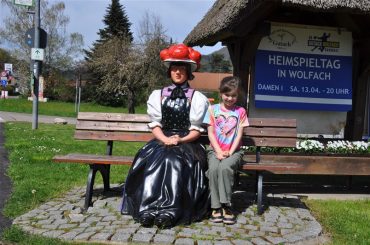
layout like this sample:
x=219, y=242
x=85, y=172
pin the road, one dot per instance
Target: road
x=24, y=117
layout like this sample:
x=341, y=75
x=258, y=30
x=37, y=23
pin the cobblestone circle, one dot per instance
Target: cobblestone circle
x=286, y=221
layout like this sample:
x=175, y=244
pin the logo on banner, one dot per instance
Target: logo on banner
x=322, y=43
x=282, y=38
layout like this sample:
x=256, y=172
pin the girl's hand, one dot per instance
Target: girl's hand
x=226, y=153
x=220, y=155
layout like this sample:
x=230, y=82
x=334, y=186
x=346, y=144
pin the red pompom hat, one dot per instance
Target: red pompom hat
x=181, y=53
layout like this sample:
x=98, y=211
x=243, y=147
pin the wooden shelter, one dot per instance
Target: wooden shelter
x=240, y=25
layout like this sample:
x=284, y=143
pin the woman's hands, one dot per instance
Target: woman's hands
x=175, y=139
x=172, y=140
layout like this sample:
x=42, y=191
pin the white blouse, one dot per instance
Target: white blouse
x=199, y=105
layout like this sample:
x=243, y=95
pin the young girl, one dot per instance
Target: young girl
x=225, y=129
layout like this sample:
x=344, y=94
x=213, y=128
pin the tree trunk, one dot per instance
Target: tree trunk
x=131, y=101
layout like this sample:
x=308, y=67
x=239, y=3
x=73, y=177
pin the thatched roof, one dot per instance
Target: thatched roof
x=225, y=15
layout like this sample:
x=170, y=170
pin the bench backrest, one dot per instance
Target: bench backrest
x=113, y=127
x=274, y=132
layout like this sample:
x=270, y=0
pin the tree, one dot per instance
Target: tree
x=219, y=64
x=114, y=61
x=61, y=50
x=127, y=69
x=152, y=37
x=5, y=57
x=117, y=25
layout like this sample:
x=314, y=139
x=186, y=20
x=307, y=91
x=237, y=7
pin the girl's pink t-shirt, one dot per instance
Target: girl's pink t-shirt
x=226, y=123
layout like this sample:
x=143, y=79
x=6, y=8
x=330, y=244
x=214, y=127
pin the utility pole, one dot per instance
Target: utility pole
x=78, y=92
x=36, y=68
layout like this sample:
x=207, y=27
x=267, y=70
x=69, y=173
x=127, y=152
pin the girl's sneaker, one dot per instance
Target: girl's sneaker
x=228, y=216
x=216, y=216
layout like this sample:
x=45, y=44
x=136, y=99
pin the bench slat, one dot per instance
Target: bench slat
x=271, y=132
x=114, y=117
x=288, y=168
x=272, y=122
x=312, y=165
x=123, y=117
x=115, y=136
x=145, y=137
x=266, y=141
x=112, y=126
x=94, y=159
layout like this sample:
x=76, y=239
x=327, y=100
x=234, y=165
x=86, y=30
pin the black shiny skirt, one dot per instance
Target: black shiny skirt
x=168, y=180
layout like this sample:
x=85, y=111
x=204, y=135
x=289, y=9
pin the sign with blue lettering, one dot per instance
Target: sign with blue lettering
x=304, y=67
x=3, y=83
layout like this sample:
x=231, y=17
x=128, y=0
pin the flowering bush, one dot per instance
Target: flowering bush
x=338, y=146
x=310, y=146
x=342, y=146
x=314, y=146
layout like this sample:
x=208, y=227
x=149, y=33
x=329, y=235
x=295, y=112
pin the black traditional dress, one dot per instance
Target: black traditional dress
x=170, y=180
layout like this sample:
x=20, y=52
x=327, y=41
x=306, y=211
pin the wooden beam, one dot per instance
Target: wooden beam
x=356, y=118
x=345, y=20
x=242, y=52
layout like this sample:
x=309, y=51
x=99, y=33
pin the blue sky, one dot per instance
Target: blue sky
x=178, y=17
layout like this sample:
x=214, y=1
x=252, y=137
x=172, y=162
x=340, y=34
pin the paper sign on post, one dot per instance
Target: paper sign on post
x=37, y=54
x=24, y=2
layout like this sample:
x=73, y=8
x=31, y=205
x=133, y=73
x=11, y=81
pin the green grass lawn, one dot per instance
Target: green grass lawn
x=348, y=222
x=31, y=167
x=36, y=179
x=62, y=109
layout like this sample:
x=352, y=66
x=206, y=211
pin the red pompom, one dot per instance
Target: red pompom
x=195, y=55
x=164, y=54
x=179, y=51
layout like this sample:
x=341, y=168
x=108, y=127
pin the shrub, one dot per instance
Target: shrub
x=315, y=146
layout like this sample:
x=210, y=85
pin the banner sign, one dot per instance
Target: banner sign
x=4, y=82
x=8, y=67
x=28, y=3
x=304, y=67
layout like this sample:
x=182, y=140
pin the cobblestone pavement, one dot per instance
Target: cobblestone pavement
x=286, y=221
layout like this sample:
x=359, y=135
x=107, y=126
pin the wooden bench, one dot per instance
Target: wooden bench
x=107, y=127
x=110, y=127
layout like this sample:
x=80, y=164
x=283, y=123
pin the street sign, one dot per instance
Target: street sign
x=4, y=81
x=8, y=67
x=30, y=37
x=37, y=54
x=24, y=2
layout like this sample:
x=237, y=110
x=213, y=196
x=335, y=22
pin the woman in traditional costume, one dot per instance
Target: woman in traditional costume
x=166, y=184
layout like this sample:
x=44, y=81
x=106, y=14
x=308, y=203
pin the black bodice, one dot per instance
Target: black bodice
x=175, y=112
